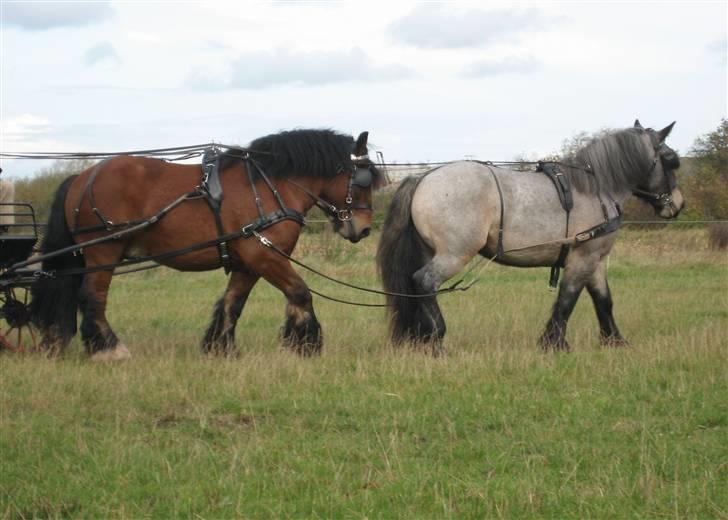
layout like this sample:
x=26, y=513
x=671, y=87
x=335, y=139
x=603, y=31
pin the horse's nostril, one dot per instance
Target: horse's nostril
x=365, y=232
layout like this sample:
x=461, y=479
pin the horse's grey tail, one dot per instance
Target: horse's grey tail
x=55, y=300
x=401, y=252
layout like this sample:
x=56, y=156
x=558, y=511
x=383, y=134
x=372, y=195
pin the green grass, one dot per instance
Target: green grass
x=493, y=429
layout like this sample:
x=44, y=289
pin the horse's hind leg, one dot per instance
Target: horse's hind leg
x=101, y=342
x=428, y=324
x=220, y=335
x=601, y=296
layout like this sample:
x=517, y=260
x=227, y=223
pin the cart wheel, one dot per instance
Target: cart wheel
x=16, y=333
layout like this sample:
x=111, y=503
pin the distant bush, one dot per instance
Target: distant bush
x=40, y=189
x=705, y=188
x=718, y=235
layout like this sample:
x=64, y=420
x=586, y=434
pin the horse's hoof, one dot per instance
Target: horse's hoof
x=118, y=353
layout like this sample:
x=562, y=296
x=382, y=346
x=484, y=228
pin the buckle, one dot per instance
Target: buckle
x=247, y=230
x=584, y=236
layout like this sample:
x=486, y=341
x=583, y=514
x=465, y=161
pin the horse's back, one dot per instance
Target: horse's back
x=127, y=187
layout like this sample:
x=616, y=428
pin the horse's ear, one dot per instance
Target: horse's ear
x=637, y=124
x=361, y=144
x=662, y=134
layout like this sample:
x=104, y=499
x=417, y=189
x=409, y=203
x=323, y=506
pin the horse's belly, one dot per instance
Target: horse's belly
x=200, y=260
x=544, y=257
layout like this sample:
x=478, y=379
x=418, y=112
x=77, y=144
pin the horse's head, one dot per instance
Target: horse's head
x=351, y=194
x=659, y=187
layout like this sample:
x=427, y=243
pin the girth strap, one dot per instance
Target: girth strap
x=556, y=268
x=211, y=189
x=563, y=190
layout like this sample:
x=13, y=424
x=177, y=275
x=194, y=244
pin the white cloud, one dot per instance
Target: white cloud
x=231, y=72
x=509, y=65
x=719, y=51
x=28, y=133
x=440, y=26
x=290, y=67
x=39, y=16
x=23, y=127
x=100, y=52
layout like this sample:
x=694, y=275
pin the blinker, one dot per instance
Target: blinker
x=670, y=159
x=362, y=177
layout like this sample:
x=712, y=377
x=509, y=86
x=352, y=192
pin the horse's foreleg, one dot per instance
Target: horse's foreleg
x=598, y=289
x=554, y=335
x=220, y=335
x=301, y=331
x=100, y=340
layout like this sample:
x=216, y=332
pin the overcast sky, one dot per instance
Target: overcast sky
x=429, y=81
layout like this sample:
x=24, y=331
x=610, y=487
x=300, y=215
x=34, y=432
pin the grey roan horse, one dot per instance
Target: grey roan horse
x=439, y=221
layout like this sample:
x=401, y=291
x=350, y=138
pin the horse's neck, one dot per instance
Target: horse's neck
x=301, y=193
x=620, y=197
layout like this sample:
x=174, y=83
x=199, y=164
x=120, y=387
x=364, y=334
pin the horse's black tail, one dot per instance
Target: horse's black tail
x=401, y=252
x=54, y=302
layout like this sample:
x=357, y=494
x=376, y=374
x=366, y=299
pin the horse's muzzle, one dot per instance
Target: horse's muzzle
x=671, y=207
x=356, y=238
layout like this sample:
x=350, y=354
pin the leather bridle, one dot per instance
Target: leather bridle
x=360, y=176
x=669, y=161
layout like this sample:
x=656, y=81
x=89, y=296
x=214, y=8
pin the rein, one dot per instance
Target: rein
x=267, y=243
x=190, y=151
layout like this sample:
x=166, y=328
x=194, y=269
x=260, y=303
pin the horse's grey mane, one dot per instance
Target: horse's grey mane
x=617, y=161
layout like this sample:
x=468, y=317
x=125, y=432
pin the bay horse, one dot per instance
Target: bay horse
x=438, y=222
x=263, y=191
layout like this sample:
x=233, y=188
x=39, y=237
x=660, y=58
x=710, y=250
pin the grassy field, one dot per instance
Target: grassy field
x=494, y=429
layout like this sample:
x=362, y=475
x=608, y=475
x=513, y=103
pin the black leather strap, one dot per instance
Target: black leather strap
x=266, y=221
x=211, y=189
x=556, y=268
x=211, y=176
x=609, y=226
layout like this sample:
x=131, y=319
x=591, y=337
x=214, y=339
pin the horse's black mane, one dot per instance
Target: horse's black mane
x=306, y=152
x=616, y=160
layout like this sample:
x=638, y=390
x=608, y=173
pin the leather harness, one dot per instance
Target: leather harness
x=563, y=190
x=211, y=190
